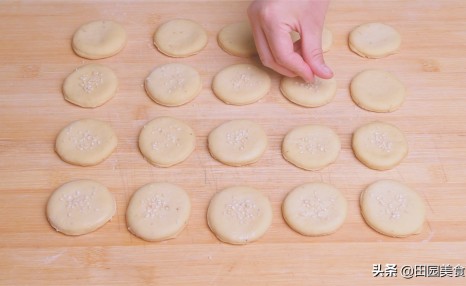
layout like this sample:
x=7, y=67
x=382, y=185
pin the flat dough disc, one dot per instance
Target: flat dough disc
x=239, y=215
x=241, y=84
x=237, y=40
x=90, y=86
x=237, y=142
x=327, y=38
x=180, y=38
x=173, y=84
x=315, y=209
x=392, y=208
x=379, y=145
x=166, y=141
x=99, y=39
x=158, y=211
x=86, y=142
x=79, y=207
x=374, y=40
x=307, y=94
x=311, y=147
x=377, y=90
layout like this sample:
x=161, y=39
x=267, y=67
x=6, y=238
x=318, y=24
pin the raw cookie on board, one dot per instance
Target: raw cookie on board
x=392, y=208
x=311, y=147
x=79, y=207
x=379, y=145
x=86, y=142
x=307, y=94
x=158, y=211
x=99, y=39
x=315, y=209
x=173, y=84
x=239, y=215
x=90, y=85
x=241, y=84
x=180, y=38
x=237, y=142
x=166, y=141
x=374, y=40
x=377, y=91
x=237, y=40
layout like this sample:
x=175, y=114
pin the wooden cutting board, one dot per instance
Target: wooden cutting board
x=35, y=57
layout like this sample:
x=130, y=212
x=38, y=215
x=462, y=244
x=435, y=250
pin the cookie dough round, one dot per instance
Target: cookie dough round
x=392, y=208
x=99, y=39
x=86, y=142
x=379, y=145
x=180, y=38
x=158, y=211
x=237, y=40
x=166, y=141
x=173, y=84
x=241, y=84
x=374, y=40
x=327, y=38
x=79, y=207
x=315, y=209
x=237, y=142
x=90, y=86
x=377, y=91
x=311, y=147
x=307, y=94
x=239, y=215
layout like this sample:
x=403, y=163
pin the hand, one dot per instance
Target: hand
x=273, y=20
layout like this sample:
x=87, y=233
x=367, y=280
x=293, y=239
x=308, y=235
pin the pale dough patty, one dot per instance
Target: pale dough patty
x=377, y=91
x=86, y=142
x=307, y=94
x=237, y=142
x=158, y=211
x=99, y=39
x=315, y=209
x=241, y=84
x=90, y=85
x=379, y=145
x=166, y=141
x=237, y=40
x=311, y=147
x=173, y=84
x=79, y=207
x=374, y=40
x=392, y=208
x=239, y=215
x=180, y=38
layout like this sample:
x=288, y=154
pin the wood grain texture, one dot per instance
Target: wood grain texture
x=36, y=56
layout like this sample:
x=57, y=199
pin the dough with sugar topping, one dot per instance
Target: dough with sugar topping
x=241, y=84
x=166, y=141
x=374, y=40
x=158, y=211
x=237, y=142
x=307, y=94
x=379, y=145
x=180, y=38
x=315, y=209
x=79, y=207
x=99, y=39
x=237, y=40
x=90, y=85
x=239, y=215
x=311, y=147
x=377, y=91
x=86, y=142
x=173, y=84
x=392, y=208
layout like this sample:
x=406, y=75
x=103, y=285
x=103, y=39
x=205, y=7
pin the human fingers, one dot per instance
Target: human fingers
x=311, y=49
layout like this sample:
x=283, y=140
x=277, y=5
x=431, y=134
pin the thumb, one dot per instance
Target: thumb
x=313, y=54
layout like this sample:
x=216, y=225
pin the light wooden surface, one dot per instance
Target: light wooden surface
x=35, y=57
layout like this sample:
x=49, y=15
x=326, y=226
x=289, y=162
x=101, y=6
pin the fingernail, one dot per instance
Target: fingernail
x=327, y=70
